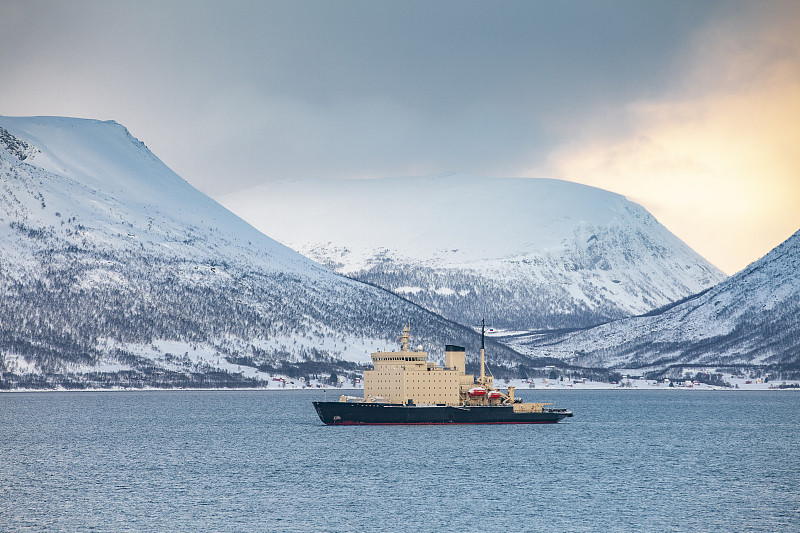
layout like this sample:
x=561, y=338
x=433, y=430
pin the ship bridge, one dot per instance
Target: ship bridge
x=408, y=377
x=387, y=357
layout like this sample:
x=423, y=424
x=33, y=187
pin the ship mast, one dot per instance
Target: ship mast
x=404, y=338
x=483, y=347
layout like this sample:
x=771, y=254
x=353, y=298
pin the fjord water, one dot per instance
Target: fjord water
x=262, y=461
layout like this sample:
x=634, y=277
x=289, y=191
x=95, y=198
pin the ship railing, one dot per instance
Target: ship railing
x=351, y=399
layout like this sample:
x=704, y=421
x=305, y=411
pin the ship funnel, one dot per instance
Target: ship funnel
x=455, y=358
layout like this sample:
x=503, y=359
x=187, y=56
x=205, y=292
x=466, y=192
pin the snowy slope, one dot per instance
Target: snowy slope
x=752, y=317
x=98, y=173
x=528, y=253
x=110, y=263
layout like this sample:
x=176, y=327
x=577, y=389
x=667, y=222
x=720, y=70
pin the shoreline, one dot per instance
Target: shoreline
x=339, y=391
x=544, y=385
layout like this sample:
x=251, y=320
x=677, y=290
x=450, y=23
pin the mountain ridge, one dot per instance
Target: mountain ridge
x=115, y=269
x=751, y=318
x=532, y=253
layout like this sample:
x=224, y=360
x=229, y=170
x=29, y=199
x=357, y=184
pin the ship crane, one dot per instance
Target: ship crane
x=487, y=383
x=483, y=380
x=485, y=390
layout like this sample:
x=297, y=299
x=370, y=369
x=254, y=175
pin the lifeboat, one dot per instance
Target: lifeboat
x=477, y=391
x=494, y=395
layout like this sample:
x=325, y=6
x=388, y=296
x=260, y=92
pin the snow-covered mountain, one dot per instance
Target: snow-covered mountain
x=527, y=253
x=113, y=267
x=751, y=318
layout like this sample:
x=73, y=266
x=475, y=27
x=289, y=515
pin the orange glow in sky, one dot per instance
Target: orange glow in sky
x=719, y=163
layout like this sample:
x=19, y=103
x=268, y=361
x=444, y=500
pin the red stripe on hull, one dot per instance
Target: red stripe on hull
x=433, y=423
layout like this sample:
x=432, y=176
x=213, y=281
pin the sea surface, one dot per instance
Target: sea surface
x=262, y=461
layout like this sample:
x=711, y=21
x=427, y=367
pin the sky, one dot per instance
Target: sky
x=690, y=108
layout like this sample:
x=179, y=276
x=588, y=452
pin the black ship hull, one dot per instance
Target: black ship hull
x=364, y=413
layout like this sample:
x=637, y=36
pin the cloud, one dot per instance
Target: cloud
x=671, y=103
x=717, y=159
x=335, y=89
